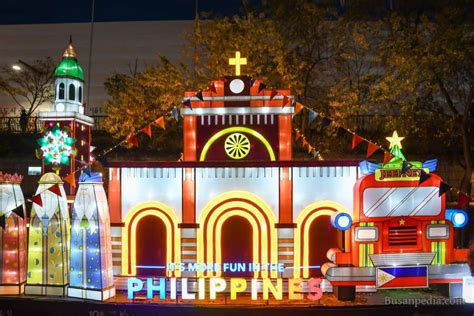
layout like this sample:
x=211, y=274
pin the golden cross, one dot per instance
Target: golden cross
x=237, y=61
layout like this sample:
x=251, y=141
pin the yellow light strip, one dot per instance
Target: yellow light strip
x=325, y=208
x=154, y=209
x=212, y=216
x=235, y=129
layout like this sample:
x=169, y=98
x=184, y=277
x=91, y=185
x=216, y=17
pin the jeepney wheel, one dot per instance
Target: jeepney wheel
x=345, y=293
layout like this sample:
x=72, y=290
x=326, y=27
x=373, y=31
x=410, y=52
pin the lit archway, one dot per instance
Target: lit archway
x=237, y=129
x=129, y=241
x=255, y=211
x=303, y=223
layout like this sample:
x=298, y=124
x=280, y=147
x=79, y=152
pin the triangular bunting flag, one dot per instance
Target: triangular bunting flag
x=310, y=148
x=71, y=178
x=423, y=176
x=174, y=113
x=340, y=132
x=132, y=139
x=160, y=122
x=406, y=166
x=443, y=188
x=325, y=123
x=387, y=156
x=37, y=200
x=356, y=140
x=273, y=94
x=55, y=189
x=261, y=87
x=212, y=87
x=463, y=199
x=311, y=116
x=2, y=222
x=371, y=149
x=304, y=142
x=285, y=100
x=297, y=134
x=298, y=107
x=187, y=103
x=147, y=130
x=199, y=95
x=315, y=153
x=19, y=211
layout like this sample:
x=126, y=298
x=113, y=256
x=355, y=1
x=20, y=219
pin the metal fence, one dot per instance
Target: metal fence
x=12, y=124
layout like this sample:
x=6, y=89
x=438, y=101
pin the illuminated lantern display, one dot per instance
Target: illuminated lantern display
x=12, y=235
x=56, y=147
x=67, y=121
x=403, y=235
x=91, y=274
x=48, y=243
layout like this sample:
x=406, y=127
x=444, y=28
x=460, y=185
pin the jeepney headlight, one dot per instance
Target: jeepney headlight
x=457, y=217
x=366, y=234
x=341, y=220
x=437, y=231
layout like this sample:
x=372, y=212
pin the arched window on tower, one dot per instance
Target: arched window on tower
x=72, y=92
x=79, y=97
x=61, y=91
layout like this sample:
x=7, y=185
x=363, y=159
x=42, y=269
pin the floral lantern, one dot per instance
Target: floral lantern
x=12, y=235
x=91, y=272
x=48, y=243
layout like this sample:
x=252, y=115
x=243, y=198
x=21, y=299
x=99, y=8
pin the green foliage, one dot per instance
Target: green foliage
x=137, y=100
x=410, y=72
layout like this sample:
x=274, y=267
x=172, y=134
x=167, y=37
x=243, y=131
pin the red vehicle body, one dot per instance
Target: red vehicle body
x=396, y=222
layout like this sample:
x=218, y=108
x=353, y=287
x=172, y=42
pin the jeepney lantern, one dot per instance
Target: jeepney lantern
x=12, y=235
x=48, y=243
x=91, y=272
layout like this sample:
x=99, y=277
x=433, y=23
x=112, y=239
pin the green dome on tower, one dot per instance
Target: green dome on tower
x=69, y=67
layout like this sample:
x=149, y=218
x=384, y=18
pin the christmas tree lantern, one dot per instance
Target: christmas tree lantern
x=12, y=235
x=48, y=243
x=91, y=272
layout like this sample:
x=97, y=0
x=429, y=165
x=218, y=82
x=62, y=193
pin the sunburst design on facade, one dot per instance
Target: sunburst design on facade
x=237, y=146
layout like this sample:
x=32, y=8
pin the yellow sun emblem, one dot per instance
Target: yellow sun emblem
x=237, y=146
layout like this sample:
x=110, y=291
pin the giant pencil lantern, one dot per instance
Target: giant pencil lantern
x=48, y=243
x=12, y=235
x=91, y=274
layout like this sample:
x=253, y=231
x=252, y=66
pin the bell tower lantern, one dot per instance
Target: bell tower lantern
x=68, y=112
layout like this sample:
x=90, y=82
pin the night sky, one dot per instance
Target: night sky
x=55, y=11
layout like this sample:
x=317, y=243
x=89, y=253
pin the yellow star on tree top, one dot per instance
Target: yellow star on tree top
x=395, y=140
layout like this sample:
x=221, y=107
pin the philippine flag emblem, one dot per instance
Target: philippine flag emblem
x=402, y=277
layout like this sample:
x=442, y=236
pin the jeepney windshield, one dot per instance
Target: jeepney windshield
x=401, y=201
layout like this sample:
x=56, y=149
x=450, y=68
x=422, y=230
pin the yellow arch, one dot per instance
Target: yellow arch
x=155, y=209
x=213, y=220
x=325, y=208
x=236, y=129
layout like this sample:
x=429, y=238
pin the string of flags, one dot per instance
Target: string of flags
x=357, y=140
x=131, y=139
x=372, y=148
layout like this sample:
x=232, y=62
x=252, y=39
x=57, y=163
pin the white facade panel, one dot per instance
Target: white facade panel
x=151, y=184
x=314, y=184
x=211, y=182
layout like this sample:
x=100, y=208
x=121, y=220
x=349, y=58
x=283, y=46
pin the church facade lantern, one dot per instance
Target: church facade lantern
x=48, y=242
x=13, y=235
x=236, y=197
